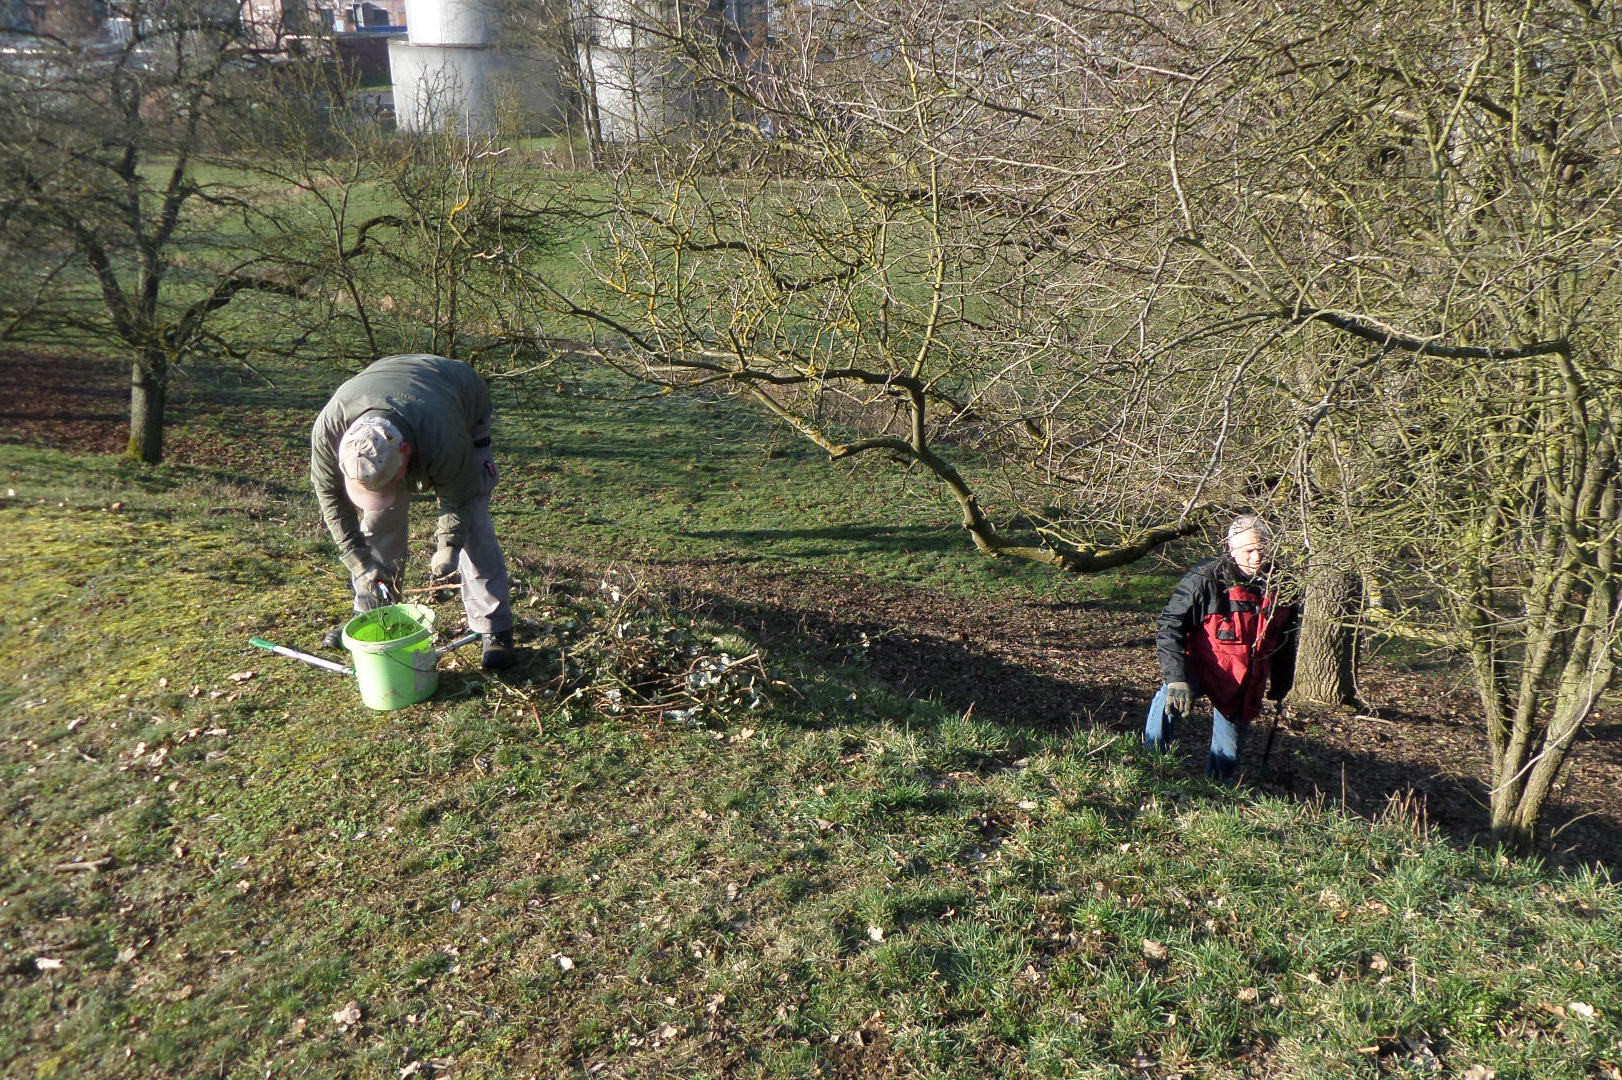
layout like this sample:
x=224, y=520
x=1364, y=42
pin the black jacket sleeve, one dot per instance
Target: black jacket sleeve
x=1282, y=676
x=1181, y=616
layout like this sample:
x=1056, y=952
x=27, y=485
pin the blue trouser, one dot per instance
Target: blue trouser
x=1226, y=736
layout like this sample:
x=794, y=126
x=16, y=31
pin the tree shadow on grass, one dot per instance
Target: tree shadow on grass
x=65, y=402
x=840, y=539
x=1375, y=778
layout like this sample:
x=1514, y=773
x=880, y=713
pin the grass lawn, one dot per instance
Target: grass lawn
x=215, y=862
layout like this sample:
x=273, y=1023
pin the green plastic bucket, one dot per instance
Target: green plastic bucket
x=395, y=662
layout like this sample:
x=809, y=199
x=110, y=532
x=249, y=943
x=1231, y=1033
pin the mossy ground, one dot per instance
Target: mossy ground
x=200, y=870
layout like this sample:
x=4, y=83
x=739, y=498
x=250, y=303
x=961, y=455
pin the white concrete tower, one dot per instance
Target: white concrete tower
x=641, y=89
x=453, y=72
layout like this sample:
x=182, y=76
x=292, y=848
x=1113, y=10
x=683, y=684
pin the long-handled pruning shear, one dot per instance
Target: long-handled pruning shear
x=384, y=594
x=1272, y=732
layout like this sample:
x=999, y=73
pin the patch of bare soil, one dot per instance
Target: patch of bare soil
x=1418, y=750
x=65, y=402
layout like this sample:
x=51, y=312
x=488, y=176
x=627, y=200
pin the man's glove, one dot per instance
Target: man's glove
x=443, y=564
x=369, y=574
x=1179, y=698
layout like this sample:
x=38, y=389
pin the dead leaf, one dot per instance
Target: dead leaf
x=411, y=1070
x=348, y=1015
x=126, y=954
x=1155, y=951
x=669, y=1031
x=1424, y=1054
x=1581, y=1008
x=1248, y=995
x=47, y=963
x=1377, y=962
x=242, y=676
x=1479, y=1072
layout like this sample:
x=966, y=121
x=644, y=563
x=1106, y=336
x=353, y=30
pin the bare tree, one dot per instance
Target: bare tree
x=939, y=266
x=1111, y=266
x=1429, y=195
x=114, y=233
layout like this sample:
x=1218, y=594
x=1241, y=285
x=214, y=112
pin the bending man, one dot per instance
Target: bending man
x=414, y=423
x=1225, y=634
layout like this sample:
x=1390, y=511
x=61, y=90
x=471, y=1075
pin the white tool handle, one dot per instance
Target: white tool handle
x=294, y=654
x=465, y=639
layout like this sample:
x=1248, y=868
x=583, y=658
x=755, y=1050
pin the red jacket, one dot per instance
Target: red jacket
x=1229, y=634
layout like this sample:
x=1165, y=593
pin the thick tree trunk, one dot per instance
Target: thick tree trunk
x=149, y=394
x=1330, y=644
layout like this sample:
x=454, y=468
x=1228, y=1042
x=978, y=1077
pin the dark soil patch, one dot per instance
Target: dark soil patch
x=1418, y=752
x=65, y=401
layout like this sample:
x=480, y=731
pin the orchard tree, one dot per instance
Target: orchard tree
x=113, y=232
x=399, y=243
x=1431, y=194
x=931, y=259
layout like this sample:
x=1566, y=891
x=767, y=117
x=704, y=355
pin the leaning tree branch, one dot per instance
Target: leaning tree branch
x=1391, y=339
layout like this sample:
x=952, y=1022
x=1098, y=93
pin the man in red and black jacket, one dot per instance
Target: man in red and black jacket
x=1225, y=634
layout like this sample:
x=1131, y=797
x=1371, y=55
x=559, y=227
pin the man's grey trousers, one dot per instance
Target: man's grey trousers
x=486, y=588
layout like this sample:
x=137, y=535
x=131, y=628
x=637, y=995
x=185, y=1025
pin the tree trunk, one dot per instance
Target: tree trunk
x=149, y=393
x=1330, y=642
x=1524, y=775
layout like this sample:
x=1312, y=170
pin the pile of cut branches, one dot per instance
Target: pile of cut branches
x=624, y=650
